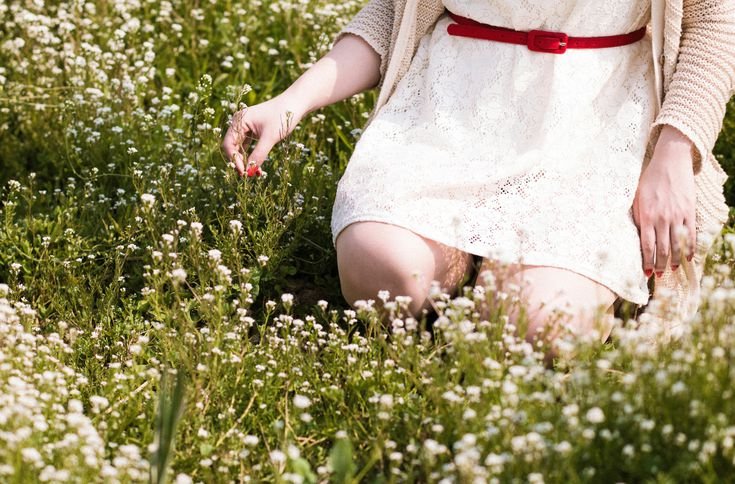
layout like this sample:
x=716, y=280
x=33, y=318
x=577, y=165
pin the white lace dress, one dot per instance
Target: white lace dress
x=513, y=154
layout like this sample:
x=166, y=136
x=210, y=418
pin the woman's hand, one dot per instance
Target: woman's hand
x=350, y=67
x=664, y=204
x=269, y=122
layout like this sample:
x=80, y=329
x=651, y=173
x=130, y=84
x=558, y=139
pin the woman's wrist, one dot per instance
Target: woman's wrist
x=675, y=140
x=296, y=101
x=674, y=146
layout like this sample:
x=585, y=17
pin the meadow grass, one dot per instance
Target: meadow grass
x=161, y=318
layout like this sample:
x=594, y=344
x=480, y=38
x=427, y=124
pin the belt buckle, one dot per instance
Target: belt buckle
x=546, y=41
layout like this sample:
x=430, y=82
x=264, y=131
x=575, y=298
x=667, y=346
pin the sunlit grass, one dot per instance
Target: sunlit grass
x=128, y=247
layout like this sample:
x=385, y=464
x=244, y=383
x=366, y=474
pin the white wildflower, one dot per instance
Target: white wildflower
x=31, y=455
x=595, y=415
x=236, y=226
x=196, y=229
x=183, y=479
x=277, y=457
x=178, y=275
x=250, y=440
x=301, y=401
x=148, y=200
x=98, y=403
x=535, y=478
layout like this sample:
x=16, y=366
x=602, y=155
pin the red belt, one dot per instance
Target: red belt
x=538, y=40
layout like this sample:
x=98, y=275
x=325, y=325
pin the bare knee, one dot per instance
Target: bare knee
x=363, y=277
x=577, y=320
x=560, y=303
x=371, y=258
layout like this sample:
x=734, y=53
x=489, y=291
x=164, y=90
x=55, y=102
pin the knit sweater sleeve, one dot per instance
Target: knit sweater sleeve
x=704, y=77
x=374, y=24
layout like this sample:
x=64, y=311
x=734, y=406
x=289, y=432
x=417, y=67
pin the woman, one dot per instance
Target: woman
x=448, y=168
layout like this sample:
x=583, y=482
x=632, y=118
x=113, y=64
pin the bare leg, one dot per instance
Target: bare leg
x=546, y=289
x=374, y=256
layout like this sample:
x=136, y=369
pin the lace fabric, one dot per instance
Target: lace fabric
x=513, y=154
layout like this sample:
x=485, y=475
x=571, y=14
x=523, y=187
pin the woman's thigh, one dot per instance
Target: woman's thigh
x=373, y=256
x=545, y=290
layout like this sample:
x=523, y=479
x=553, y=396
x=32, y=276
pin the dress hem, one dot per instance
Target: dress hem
x=531, y=258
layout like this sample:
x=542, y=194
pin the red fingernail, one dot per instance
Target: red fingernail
x=690, y=257
x=674, y=267
x=648, y=272
x=659, y=273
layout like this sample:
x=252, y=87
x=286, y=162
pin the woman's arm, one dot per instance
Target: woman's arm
x=664, y=206
x=704, y=78
x=374, y=24
x=350, y=67
x=356, y=62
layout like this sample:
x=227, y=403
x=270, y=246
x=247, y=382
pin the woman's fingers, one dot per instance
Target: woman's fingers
x=236, y=139
x=690, y=224
x=658, y=242
x=648, y=247
x=684, y=235
x=663, y=247
x=677, y=234
x=262, y=148
x=231, y=147
x=239, y=163
x=635, y=210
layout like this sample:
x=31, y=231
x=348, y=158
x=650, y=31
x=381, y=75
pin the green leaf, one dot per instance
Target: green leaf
x=302, y=467
x=340, y=459
x=205, y=448
x=341, y=135
x=170, y=408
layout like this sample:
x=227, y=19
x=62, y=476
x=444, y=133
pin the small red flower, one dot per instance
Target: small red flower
x=254, y=170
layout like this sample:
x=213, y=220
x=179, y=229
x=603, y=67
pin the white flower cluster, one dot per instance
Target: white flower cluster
x=42, y=418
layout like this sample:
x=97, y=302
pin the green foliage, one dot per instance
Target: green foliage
x=170, y=408
x=129, y=247
x=725, y=151
x=340, y=459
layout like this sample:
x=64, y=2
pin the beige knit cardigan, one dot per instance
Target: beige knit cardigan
x=693, y=45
